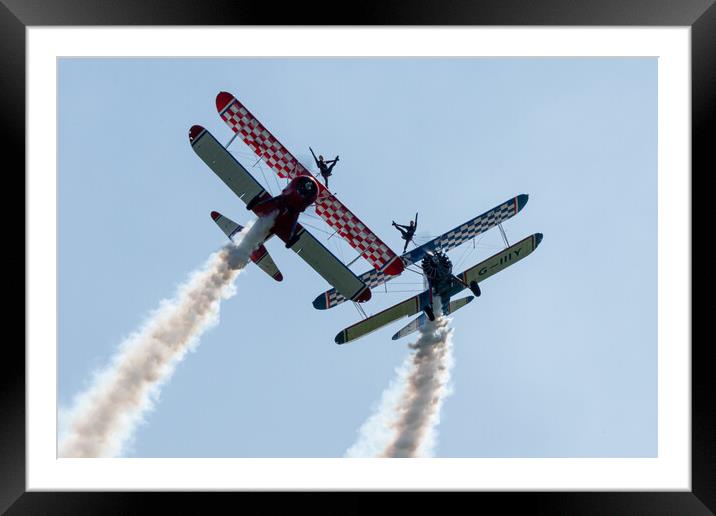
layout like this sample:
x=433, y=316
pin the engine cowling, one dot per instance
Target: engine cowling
x=475, y=288
x=300, y=193
x=436, y=265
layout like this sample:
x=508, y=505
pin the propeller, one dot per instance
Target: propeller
x=436, y=264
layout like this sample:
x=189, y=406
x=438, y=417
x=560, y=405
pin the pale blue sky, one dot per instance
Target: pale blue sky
x=558, y=358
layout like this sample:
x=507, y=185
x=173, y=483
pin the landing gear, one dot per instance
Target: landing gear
x=429, y=312
x=292, y=240
x=294, y=234
x=253, y=202
x=475, y=288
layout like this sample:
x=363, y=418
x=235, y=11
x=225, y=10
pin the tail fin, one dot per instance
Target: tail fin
x=260, y=256
x=418, y=323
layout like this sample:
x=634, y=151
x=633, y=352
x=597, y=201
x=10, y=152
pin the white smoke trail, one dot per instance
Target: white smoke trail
x=405, y=422
x=104, y=417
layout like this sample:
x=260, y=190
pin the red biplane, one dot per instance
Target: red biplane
x=302, y=191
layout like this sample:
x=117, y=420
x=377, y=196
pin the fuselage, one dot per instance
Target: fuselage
x=437, y=267
x=293, y=200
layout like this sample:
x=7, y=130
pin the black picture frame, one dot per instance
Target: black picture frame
x=700, y=15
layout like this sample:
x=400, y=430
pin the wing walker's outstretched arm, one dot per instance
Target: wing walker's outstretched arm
x=314, y=157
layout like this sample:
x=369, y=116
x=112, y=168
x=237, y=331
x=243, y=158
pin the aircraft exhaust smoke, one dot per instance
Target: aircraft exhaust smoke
x=104, y=417
x=405, y=422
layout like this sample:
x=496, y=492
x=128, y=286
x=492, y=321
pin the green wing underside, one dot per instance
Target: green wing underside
x=408, y=307
x=224, y=165
x=501, y=260
x=315, y=254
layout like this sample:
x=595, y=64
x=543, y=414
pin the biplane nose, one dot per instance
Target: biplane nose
x=223, y=99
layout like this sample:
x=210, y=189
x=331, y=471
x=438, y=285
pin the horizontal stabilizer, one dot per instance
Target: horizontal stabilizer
x=411, y=327
x=408, y=307
x=456, y=304
x=260, y=256
x=228, y=226
x=418, y=323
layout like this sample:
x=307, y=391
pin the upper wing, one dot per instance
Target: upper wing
x=406, y=308
x=329, y=267
x=256, y=136
x=447, y=241
x=357, y=234
x=285, y=164
x=501, y=260
x=224, y=165
x=469, y=229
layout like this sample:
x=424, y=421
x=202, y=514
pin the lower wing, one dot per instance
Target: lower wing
x=224, y=165
x=334, y=271
x=407, y=308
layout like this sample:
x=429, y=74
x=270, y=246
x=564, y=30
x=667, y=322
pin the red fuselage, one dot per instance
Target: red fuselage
x=293, y=200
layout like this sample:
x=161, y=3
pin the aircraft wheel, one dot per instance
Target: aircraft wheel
x=475, y=288
x=429, y=312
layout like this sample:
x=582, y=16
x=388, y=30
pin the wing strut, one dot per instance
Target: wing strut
x=504, y=235
x=231, y=141
x=360, y=310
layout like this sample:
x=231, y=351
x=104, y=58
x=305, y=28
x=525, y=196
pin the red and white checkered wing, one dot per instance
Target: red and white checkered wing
x=357, y=234
x=256, y=136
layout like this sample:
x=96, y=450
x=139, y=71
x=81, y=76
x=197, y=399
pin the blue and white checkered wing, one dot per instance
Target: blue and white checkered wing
x=469, y=230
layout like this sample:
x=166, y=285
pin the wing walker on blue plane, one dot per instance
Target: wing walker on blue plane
x=304, y=190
